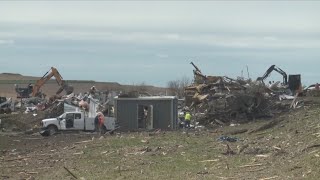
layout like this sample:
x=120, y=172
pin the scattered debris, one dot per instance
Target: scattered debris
x=6, y=105
x=79, y=153
x=229, y=151
x=242, y=148
x=228, y=139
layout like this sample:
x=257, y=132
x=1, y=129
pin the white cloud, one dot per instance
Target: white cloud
x=270, y=38
x=226, y=24
x=161, y=55
x=258, y=41
x=6, y=42
x=181, y=16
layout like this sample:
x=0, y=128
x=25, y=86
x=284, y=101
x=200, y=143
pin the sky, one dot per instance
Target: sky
x=153, y=42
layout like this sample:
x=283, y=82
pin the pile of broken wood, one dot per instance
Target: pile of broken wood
x=222, y=100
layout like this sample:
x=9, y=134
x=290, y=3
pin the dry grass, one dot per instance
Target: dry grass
x=285, y=151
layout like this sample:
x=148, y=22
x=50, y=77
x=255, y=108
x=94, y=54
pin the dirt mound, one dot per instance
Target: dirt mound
x=21, y=122
x=10, y=74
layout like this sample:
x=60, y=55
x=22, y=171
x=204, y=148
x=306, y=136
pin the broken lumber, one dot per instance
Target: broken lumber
x=15, y=159
x=78, y=153
x=219, y=122
x=263, y=155
x=70, y=172
x=293, y=104
x=226, y=177
x=255, y=170
x=277, y=148
x=83, y=142
x=274, y=177
x=250, y=165
x=213, y=160
x=312, y=146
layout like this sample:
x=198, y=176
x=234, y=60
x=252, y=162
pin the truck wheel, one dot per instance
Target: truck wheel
x=52, y=130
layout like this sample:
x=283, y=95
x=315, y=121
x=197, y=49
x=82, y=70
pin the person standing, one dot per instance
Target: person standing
x=187, y=119
x=181, y=119
x=96, y=123
x=102, y=128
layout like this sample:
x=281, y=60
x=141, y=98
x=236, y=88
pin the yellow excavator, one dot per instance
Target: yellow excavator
x=35, y=89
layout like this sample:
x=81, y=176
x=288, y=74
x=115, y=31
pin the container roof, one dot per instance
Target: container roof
x=147, y=98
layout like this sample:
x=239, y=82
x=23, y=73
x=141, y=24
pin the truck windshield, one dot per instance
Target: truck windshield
x=62, y=116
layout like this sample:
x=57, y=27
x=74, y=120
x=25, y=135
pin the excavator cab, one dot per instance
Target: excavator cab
x=23, y=92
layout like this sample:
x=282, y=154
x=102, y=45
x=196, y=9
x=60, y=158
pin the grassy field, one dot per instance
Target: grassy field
x=290, y=149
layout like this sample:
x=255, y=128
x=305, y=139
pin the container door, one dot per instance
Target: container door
x=141, y=116
x=150, y=117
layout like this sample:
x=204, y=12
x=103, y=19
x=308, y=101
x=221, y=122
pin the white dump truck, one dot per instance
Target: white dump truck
x=72, y=121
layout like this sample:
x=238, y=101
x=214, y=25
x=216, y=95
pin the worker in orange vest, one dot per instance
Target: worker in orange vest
x=101, y=125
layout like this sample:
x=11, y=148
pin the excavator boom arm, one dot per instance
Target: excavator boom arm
x=277, y=69
x=284, y=74
x=195, y=67
x=46, y=77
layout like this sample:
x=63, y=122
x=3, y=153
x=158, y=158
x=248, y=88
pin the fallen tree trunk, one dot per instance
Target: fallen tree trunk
x=265, y=126
x=237, y=131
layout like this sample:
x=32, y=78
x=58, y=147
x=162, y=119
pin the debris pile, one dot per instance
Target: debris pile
x=28, y=112
x=91, y=102
x=221, y=100
x=55, y=110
